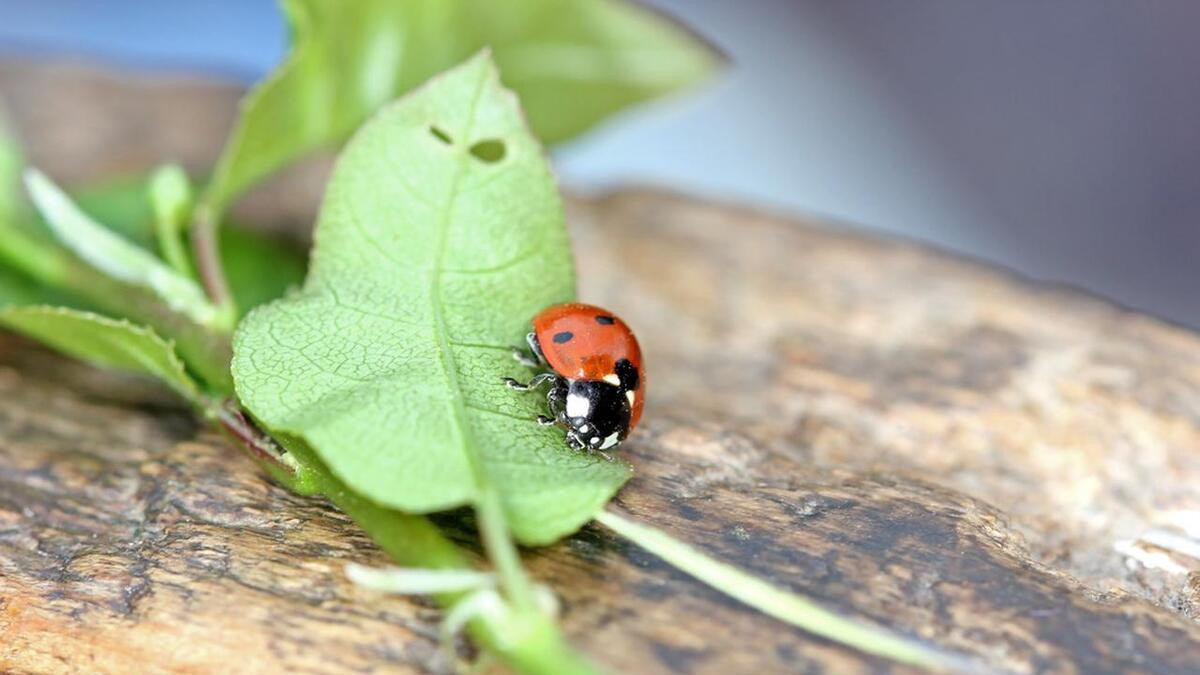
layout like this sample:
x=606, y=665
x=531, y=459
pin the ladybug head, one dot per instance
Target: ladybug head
x=597, y=414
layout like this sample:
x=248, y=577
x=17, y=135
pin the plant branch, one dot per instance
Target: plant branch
x=206, y=248
x=255, y=441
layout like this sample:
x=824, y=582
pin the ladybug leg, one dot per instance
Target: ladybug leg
x=538, y=358
x=557, y=403
x=525, y=359
x=537, y=381
x=536, y=348
x=556, y=400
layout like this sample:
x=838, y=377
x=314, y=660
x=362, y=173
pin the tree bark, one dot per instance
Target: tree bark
x=1005, y=469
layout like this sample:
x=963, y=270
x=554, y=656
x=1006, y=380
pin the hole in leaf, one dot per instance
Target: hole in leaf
x=490, y=150
x=440, y=135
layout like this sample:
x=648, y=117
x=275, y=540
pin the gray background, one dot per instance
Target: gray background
x=1059, y=138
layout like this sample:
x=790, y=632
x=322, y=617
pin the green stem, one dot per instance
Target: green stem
x=776, y=602
x=171, y=245
x=171, y=199
x=502, y=552
x=206, y=248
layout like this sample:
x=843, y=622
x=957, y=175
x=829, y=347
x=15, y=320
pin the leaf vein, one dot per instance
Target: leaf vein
x=492, y=411
x=500, y=267
x=449, y=367
x=480, y=345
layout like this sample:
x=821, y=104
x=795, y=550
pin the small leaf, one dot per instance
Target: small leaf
x=28, y=264
x=428, y=265
x=109, y=253
x=171, y=197
x=573, y=62
x=10, y=172
x=14, y=288
x=103, y=342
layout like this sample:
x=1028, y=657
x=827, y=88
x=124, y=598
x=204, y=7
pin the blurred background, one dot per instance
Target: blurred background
x=1059, y=139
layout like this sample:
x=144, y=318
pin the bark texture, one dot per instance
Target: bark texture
x=1009, y=470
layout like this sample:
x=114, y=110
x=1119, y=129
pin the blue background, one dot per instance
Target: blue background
x=1061, y=139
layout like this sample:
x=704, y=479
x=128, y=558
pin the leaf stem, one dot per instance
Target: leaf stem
x=255, y=441
x=206, y=248
x=502, y=552
x=779, y=603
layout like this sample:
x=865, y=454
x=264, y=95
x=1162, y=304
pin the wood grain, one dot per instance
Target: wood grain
x=1005, y=469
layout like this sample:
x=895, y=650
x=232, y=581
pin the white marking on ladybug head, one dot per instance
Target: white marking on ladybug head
x=584, y=428
x=595, y=440
x=612, y=379
x=578, y=406
x=631, y=397
x=610, y=441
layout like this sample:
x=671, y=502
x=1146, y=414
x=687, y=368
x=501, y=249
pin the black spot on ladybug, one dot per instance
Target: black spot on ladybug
x=604, y=320
x=563, y=337
x=628, y=374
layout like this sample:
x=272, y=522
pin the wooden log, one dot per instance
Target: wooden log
x=1005, y=469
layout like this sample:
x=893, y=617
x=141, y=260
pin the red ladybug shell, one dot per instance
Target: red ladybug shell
x=585, y=342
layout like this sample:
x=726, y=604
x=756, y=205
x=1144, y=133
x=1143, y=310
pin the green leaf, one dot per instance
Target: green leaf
x=573, y=62
x=27, y=264
x=103, y=342
x=108, y=252
x=171, y=197
x=16, y=289
x=428, y=264
x=10, y=172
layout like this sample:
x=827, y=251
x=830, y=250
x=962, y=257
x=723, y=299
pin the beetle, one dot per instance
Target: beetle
x=593, y=365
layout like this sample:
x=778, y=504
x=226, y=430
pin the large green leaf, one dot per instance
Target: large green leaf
x=573, y=62
x=108, y=343
x=428, y=264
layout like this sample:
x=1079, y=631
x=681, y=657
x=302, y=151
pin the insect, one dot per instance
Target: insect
x=593, y=366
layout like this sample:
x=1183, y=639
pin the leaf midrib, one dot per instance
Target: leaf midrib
x=449, y=365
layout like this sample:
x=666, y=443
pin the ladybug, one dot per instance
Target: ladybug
x=593, y=364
